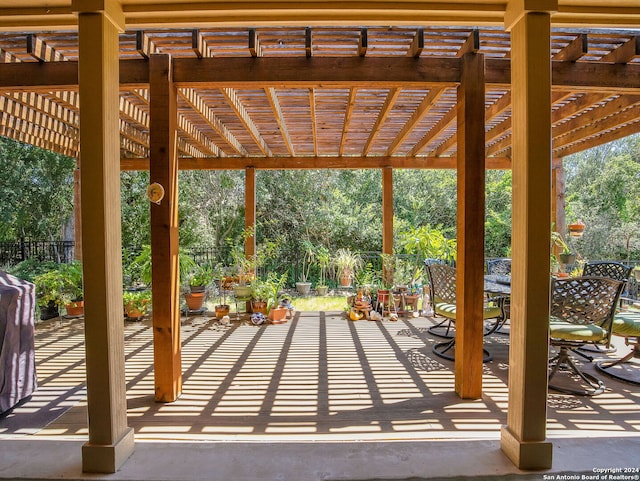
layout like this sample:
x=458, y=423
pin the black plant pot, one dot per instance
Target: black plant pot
x=567, y=258
x=49, y=311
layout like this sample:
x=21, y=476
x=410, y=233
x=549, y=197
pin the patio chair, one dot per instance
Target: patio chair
x=627, y=325
x=501, y=267
x=442, y=281
x=444, y=328
x=582, y=310
x=612, y=270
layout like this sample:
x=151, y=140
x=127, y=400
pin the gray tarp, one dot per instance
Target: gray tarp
x=17, y=347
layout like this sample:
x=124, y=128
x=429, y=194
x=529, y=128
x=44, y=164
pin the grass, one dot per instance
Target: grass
x=331, y=302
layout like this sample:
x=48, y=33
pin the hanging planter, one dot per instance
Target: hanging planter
x=576, y=229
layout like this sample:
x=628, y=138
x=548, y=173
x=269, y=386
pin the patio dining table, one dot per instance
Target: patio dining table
x=498, y=287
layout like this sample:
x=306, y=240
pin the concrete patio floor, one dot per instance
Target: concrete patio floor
x=317, y=398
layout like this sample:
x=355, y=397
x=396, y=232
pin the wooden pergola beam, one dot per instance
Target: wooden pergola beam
x=320, y=71
x=385, y=110
x=272, y=96
x=418, y=114
x=625, y=53
x=574, y=50
x=234, y=101
x=323, y=162
x=347, y=119
x=599, y=139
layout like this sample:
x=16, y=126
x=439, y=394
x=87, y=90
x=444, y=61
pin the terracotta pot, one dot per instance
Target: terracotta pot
x=278, y=315
x=345, y=280
x=222, y=310
x=259, y=306
x=411, y=301
x=195, y=300
x=75, y=309
x=133, y=314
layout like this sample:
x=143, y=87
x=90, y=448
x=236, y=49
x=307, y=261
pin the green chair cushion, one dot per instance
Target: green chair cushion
x=447, y=310
x=575, y=332
x=627, y=324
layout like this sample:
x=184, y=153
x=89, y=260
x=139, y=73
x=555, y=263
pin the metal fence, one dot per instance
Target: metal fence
x=12, y=253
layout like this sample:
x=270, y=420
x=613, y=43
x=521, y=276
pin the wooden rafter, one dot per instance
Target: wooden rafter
x=417, y=44
x=272, y=96
x=385, y=110
x=347, y=119
x=363, y=42
x=254, y=43
x=196, y=102
x=144, y=45
x=234, y=101
x=314, y=124
x=446, y=120
x=574, y=51
x=199, y=44
x=203, y=144
x=625, y=53
x=418, y=114
x=42, y=52
x=599, y=139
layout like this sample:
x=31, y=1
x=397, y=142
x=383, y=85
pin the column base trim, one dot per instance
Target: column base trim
x=528, y=455
x=107, y=458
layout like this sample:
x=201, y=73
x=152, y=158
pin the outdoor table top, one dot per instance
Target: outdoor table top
x=497, y=284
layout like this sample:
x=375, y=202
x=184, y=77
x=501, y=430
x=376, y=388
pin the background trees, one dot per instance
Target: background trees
x=332, y=209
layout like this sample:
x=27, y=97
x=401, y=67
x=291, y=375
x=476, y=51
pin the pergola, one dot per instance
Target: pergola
x=267, y=85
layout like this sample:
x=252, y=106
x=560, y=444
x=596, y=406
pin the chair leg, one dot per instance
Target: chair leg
x=446, y=350
x=445, y=325
x=563, y=361
x=625, y=369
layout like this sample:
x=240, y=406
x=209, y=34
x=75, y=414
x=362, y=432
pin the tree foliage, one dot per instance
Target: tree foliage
x=36, y=192
x=326, y=209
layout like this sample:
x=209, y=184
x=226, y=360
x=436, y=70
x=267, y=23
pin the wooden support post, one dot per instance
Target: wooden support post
x=77, y=215
x=110, y=439
x=471, y=201
x=558, y=196
x=558, y=202
x=164, y=230
x=250, y=212
x=387, y=218
x=523, y=438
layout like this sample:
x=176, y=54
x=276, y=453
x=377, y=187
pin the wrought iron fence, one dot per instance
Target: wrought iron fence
x=12, y=253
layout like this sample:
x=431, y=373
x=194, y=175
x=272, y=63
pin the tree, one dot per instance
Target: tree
x=36, y=192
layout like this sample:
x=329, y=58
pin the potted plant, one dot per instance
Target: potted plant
x=346, y=264
x=58, y=287
x=565, y=256
x=276, y=308
x=136, y=304
x=324, y=260
x=260, y=292
x=576, y=229
x=303, y=286
x=72, y=294
x=198, y=279
x=48, y=291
